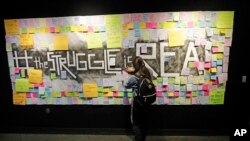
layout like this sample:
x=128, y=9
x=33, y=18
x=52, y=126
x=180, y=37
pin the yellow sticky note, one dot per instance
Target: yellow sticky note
x=57, y=29
x=19, y=98
x=94, y=40
x=90, y=90
x=26, y=41
x=176, y=16
x=61, y=42
x=31, y=30
x=220, y=56
x=35, y=76
x=183, y=80
x=142, y=25
x=170, y=94
x=176, y=38
x=225, y=19
x=169, y=24
x=125, y=34
x=113, y=22
x=114, y=40
x=130, y=25
x=188, y=100
x=213, y=70
x=22, y=85
x=73, y=28
x=11, y=27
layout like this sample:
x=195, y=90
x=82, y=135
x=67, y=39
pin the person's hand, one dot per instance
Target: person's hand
x=129, y=69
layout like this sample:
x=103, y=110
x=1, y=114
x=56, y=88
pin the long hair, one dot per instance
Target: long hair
x=140, y=67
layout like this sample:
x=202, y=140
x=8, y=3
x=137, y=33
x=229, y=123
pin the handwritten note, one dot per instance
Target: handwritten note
x=94, y=40
x=176, y=38
x=22, y=85
x=11, y=27
x=114, y=40
x=113, y=22
x=90, y=90
x=225, y=19
x=35, y=76
x=19, y=98
x=26, y=41
x=61, y=42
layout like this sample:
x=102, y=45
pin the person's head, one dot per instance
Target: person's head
x=138, y=63
x=140, y=67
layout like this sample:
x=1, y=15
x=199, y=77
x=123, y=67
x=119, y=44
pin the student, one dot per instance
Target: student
x=138, y=111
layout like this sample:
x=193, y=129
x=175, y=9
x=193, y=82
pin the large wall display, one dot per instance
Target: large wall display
x=79, y=59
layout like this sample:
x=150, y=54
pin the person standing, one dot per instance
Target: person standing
x=139, y=111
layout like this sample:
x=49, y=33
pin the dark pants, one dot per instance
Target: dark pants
x=139, y=117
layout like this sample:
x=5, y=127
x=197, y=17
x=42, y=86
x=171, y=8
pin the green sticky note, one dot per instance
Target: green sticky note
x=120, y=94
x=155, y=82
x=100, y=94
x=159, y=80
x=23, y=73
x=217, y=97
x=22, y=85
x=53, y=75
x=24, y=30
x=194, y=93
x=8, y=47
x=190, y=64
x=100, y=88
x=130, y=94
x=171, y=80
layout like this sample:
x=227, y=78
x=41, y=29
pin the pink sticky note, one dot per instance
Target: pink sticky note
x=159, y=94
x=164, y=87
x=176, y=93
x=148, y=25
x=215, y=49
x=154, y=24
x=28, y=95
x=52, y=29
x=115, y=93
x=196, y=63
x=205, y=87
x=90, y=29
x=215, y=82
x=188, y=94
x=206, y=93
x=207, y=65
x=190, y=24
x=63, y=93
x=35, y=95
x=17, y=70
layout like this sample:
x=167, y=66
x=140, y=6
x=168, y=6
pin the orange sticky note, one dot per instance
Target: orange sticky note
x=26, y=41
x=11, y=27
x=61, y=42
x=90, y=90
x=19, y=98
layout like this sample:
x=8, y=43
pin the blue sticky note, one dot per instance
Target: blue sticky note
x=136, y=25
x=219, y=62
x=206, y=76
x=213, y=77
x=182, y=93
x=137, y=33
x=200, y=93
x=214, y=63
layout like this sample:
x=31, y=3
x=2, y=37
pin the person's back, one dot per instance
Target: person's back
x=138, y=110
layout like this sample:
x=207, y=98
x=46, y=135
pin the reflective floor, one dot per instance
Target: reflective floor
x=77, y=137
